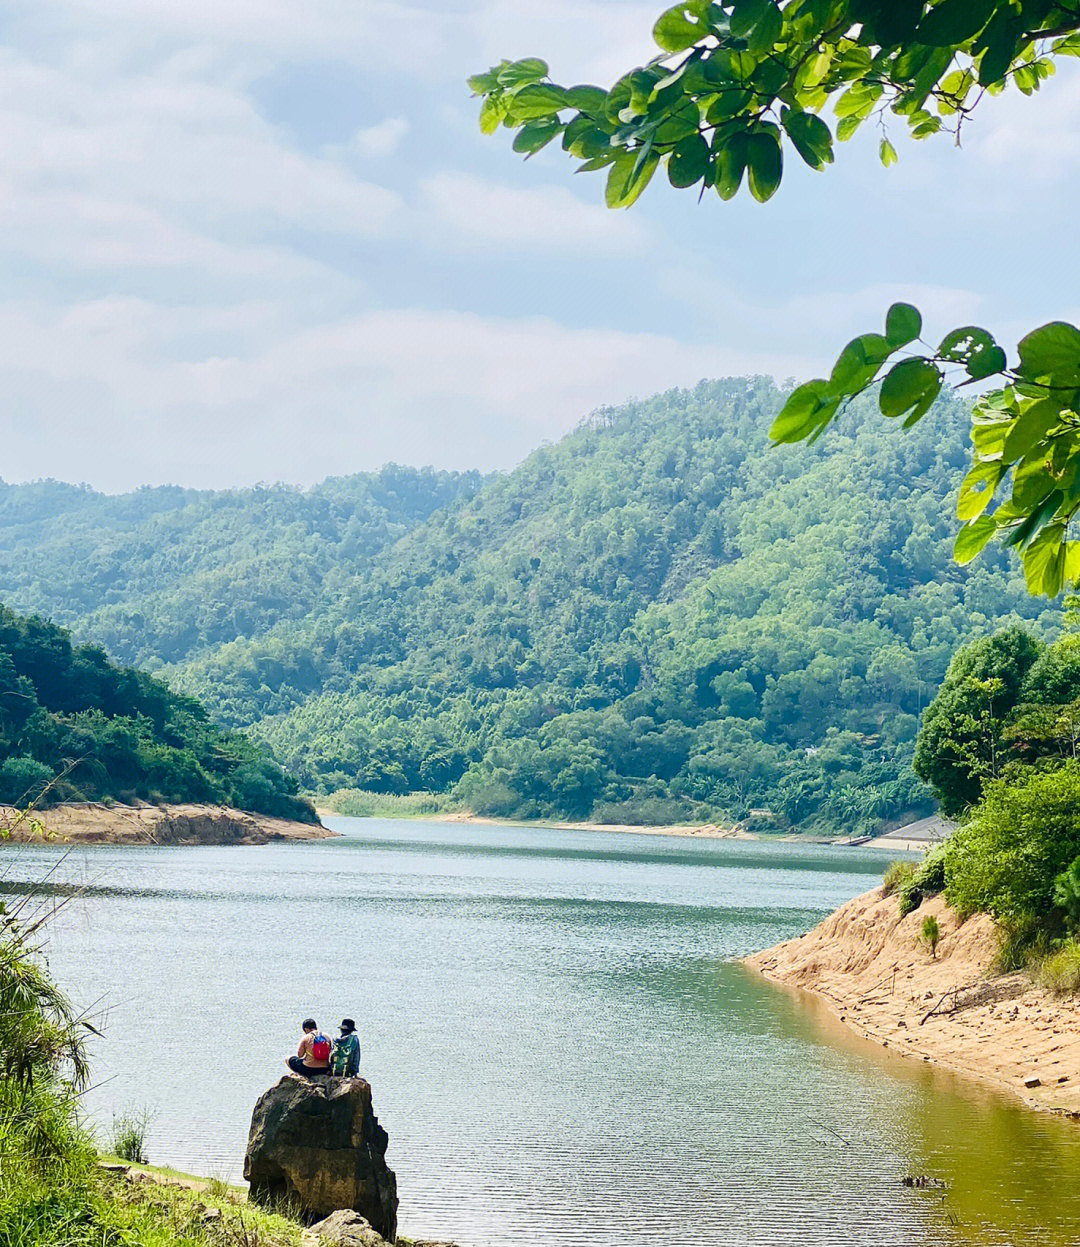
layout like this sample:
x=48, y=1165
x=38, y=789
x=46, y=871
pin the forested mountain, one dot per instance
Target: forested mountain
x=74, y=726
x=661, y=616
x=162, y=573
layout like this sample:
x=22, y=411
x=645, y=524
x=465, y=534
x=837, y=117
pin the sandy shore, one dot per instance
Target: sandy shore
x=709, y=831
x=871, y=969
x=94, y=823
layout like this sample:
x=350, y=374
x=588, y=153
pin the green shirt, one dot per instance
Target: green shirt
x=345, y=1059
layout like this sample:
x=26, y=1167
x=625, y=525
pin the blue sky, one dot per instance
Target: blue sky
x=264, y=240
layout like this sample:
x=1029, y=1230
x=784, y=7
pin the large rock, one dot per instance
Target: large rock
x=318, y=1144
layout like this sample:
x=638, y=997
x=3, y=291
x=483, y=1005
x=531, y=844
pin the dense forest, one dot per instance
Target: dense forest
x=661, y=617
x=74, y=726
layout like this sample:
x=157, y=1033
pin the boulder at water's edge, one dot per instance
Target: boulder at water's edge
x=319, y=1144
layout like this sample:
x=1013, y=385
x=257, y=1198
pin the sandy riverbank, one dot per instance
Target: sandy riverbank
x=871, y=969
x=181, y=824
x=709, y=831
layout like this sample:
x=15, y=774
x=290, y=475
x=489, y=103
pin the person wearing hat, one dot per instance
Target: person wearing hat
x=345, y=1059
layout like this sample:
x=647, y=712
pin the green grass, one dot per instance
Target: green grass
x=358, y=803
x=897, y=874
x=1059, y=971
x=128, y=1136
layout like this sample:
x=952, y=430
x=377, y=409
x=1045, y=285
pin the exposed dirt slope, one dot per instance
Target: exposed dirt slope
x=93, y=823
x=874, y=972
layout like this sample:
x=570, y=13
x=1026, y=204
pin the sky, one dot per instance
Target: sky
x=260, y=240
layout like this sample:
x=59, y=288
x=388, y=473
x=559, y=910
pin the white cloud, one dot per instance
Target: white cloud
x=185, y=146
x=452, y=388
x=381, y=139
x=492, y=213
x=1017, y=138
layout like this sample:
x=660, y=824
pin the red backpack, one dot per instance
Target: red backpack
x=320, y=1048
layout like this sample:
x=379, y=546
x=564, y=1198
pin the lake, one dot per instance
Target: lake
x=560, y=1045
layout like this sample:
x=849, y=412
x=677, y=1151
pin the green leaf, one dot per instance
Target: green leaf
x=746, y=14
x=767, y=30
x=810, y=136
x=730, y=165
x=997, y=45
x=630, y=173
x=903, y=324
x=534, y=135
x=492, y=113
x=977, y=489
x=688, y=162
x=1051, y=351
x=975, y=349
x=1072, y=562
x=517, y=73
x=481, y=84
x=1044, y=562
x=1029, y=430
x=681, y=26
x=765, y=161
x=911, y=383
x=887, y=153
x=858, y=364
x=586, y=99
x=807, y=411
x=954, y=21
x=538, y=99
x=973, y=537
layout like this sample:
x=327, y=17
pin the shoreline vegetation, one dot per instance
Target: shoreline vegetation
x=92, y=822
x=947, y=1005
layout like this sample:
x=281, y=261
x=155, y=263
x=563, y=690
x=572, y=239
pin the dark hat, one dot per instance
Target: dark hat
x=348, y=1025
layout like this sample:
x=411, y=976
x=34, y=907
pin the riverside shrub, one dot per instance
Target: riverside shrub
x=1060, y=971
x=1020, y=838
x=926, y=879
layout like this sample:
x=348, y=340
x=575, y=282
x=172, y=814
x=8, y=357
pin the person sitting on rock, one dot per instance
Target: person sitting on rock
x=345, y=1061
x=312, y=1058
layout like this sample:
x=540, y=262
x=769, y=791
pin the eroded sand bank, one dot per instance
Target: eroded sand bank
x=873, y=971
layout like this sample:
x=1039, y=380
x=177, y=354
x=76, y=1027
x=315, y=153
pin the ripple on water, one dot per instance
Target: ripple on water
x=560, y=1049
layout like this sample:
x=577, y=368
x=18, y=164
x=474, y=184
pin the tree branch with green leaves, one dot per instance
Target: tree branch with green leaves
x=734, y=86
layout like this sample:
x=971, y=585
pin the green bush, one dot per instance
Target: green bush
x=1067, y=894
x=1060, y=970
x=23, y=780
x=926, y=879
x=897, y=875
x=1020, y=838
x=930, y=933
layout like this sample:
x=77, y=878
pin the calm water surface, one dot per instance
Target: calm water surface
x=560, y=1047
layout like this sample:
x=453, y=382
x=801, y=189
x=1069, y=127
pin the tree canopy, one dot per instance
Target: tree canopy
x=736, y=84
x=73, y=726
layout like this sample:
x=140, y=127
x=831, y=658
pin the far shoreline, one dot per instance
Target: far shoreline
x=709, y=831
x=886, y=842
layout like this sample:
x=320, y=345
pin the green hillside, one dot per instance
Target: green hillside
x=74, y=726
x=660, y=617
